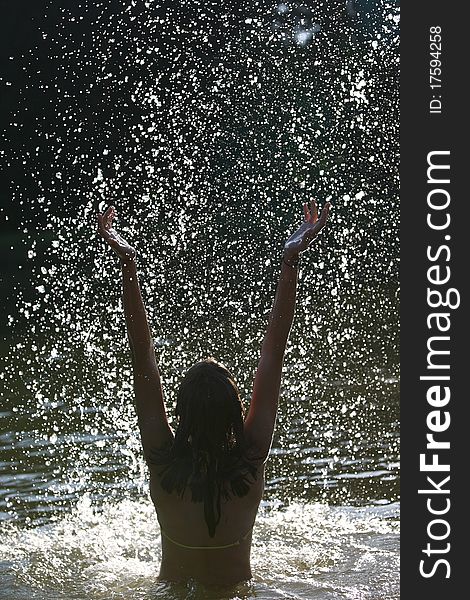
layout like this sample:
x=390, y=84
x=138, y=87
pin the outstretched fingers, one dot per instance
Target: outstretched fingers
x=108, y=216
x=105, y=221
x=306, y=212
x=313, y=211
x=318, y=223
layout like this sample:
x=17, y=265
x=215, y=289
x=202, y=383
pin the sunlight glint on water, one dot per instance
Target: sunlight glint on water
x=207, y=130
x=305, y=551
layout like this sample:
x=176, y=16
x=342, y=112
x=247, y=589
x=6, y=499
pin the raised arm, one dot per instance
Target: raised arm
x=150, y=408
x=261, y=418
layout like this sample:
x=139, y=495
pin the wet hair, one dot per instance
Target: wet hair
x=207, y=455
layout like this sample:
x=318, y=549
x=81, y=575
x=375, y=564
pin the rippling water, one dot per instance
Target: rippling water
x=300, y=551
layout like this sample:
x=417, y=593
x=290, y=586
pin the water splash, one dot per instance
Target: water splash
x=207, y=125
x=303, y=551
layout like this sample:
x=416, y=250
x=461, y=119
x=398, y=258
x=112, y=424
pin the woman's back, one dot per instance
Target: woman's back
x=188, y=551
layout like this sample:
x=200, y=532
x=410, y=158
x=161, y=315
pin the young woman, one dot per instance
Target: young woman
x=207, y=478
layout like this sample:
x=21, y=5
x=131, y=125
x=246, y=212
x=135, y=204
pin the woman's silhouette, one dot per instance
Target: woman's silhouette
x=207, y=478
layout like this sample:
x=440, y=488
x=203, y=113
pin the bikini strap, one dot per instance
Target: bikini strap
x=237, y=543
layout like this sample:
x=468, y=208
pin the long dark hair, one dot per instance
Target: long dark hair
x=208, y=452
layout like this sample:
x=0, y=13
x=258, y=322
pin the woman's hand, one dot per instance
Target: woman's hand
x=112, y=237
x=300, y=240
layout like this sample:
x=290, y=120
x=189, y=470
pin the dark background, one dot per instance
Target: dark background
x=34, y=85
x=43, y=87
